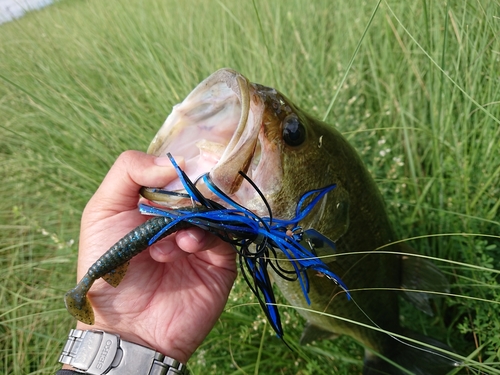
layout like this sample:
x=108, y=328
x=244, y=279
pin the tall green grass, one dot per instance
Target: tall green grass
x=82, y=81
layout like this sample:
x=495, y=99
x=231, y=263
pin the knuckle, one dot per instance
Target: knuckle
x=126, y=157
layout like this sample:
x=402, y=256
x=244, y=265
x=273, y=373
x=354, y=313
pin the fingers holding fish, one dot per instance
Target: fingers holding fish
x=114, y=208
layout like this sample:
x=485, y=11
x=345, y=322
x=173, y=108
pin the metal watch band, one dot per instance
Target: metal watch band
x=99, y=352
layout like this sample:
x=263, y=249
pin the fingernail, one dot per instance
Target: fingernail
x=164, y=161
x=197, y=234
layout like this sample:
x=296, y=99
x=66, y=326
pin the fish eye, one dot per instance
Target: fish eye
x=294, y=133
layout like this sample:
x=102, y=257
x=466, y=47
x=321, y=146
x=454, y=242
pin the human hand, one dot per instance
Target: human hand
x=173, y=294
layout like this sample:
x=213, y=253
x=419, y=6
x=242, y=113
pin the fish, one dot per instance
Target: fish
x=228, y=127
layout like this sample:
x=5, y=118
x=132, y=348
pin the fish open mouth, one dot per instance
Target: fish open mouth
x=217, y=129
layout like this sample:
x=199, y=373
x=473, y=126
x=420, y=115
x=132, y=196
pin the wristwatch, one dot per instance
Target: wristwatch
x=99, y=352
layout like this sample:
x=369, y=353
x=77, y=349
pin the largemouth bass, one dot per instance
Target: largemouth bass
x=227, y=125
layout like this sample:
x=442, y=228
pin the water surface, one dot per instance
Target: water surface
x=11, y=9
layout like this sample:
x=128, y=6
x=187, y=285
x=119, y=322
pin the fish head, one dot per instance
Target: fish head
x=228, y=125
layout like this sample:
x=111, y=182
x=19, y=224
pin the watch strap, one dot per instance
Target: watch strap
x=99, y=352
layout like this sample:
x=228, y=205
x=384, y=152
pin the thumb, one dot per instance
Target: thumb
x=119, y=191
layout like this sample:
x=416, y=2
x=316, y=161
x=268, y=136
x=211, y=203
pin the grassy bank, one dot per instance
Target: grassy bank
x=82, y=81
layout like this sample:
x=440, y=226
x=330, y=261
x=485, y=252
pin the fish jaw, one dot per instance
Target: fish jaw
x=217, y=129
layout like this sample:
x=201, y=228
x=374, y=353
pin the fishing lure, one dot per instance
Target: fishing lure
x=256, y=240
x=242, y=228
